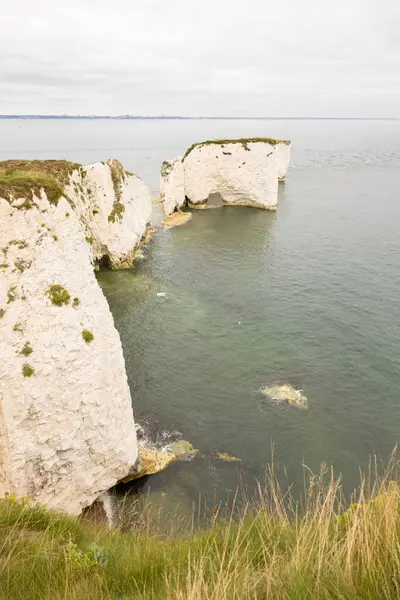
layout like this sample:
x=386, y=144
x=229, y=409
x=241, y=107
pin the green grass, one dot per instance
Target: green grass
x=24, y=178
x=243, y=141
x=316, y=548
x=118, y=178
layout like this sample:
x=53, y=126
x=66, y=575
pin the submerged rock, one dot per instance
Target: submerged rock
x=153, y=460
x=225, y=457
x=176, y=219
x=182, y=449
x=285, y=394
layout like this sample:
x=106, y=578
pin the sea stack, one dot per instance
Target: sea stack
x=242, y=171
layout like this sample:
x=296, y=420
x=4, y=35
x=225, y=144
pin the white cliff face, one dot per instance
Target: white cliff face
x=172, y=185
x=66, y=425
x=116, y=208
x=283, y=153
x=242, y=172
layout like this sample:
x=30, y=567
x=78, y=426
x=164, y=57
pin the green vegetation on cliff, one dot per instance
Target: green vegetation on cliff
x=280, y=549
x=243, y=141
x=23, y=178
x=118, y=177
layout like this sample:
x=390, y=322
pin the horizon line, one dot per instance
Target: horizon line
x=179, y=117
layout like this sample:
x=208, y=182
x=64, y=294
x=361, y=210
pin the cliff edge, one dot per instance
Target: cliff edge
x=66, y=425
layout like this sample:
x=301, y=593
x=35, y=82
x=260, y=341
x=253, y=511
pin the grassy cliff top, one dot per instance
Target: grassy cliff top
x=322, y=549
x=22, y=178
x=243, y=141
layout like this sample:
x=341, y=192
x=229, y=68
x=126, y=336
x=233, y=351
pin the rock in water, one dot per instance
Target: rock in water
x=285, y=394
x=182, y=449
x=240, y=171
x=154, y=460
x=225, y=457
x=176, y=219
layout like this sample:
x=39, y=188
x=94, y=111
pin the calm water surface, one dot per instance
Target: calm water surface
x=309, y=295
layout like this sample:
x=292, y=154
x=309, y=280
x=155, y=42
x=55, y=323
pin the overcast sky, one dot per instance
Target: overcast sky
x=208, y=57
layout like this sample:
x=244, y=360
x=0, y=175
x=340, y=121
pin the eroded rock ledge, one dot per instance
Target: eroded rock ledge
x=66, y=426
x=242, y=171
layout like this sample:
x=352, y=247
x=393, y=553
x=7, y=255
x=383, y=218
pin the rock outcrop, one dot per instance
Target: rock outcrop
x=243, y=172
x=153, y=459
x=172, y=185
x=285, y=394
x=66, y=426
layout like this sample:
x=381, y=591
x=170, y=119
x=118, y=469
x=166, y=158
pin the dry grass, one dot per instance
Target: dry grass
x=316, y=548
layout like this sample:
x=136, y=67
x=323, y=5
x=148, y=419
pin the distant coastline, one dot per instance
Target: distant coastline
x=177, y=117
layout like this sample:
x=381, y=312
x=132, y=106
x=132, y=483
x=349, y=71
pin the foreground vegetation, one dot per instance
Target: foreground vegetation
x=315, y=548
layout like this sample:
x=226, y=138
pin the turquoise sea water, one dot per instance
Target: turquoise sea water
x=308, y=295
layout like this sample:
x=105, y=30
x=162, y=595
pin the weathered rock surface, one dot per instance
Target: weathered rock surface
x=172, y=185
x=66, y=426
x=243, y=172
x=155, y=460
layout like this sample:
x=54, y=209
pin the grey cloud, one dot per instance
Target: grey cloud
x=215, y=57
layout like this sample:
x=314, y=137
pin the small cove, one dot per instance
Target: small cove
x=307, y=295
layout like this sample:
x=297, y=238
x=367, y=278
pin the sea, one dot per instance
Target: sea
x=308, y=296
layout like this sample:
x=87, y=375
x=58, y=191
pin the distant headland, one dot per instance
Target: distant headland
x=213, y=118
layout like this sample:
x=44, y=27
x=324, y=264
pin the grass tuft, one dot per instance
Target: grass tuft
x=317, y=548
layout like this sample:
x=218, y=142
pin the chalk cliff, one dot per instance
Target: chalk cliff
x=66, y=426
x=242, y=172
x=172, y=185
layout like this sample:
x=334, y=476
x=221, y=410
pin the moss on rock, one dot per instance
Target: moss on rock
x=118, y=177
x=87, y=336
x=27, y=370
x=58, y=295
x=22, y=264
x=27, y=349
x=12, y=294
